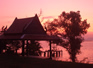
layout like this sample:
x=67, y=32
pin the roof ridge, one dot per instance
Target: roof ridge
x=30, y=21
x=28, y=24
x=24, y=18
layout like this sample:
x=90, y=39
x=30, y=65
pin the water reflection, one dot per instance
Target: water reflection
x=86, y=52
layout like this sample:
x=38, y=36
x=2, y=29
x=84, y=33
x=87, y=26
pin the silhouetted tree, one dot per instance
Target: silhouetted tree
x=14, y=45
x=2, y=45
x=70, y=27
x=3, y=42
x=34, y=48
x=3, y=29
x=8, y=45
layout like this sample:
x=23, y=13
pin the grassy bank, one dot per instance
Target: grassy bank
x=7, y=61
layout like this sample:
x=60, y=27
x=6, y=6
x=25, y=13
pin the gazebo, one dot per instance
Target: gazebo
x=27, y=29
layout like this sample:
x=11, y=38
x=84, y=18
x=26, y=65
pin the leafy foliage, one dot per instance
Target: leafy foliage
x=13, y=45
x=70, y=28
x=3, y=42
x=34, y=48
x=8, y=45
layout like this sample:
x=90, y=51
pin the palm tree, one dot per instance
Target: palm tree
x=34, y=48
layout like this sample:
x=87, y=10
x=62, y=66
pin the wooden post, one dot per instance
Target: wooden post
x=59, y=53
x=50, y=50
x=27, y=48
x=45, y=54
x=56, y=54
x=22, y=47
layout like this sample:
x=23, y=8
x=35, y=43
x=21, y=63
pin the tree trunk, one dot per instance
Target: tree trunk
x=73, y=58
x=73, y=55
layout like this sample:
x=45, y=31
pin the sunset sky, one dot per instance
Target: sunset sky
x=9, y=9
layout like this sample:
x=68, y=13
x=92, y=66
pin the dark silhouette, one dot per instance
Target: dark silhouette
x=70, y=27
x=13, y=45
x=26, y=29
x=3, y=30
x=34, y=48
x=2, y=45
x=3, y=42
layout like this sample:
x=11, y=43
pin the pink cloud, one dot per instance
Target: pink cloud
x=47, y=17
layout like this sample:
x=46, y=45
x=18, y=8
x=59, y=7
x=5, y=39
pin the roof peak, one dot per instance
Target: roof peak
x=29, y=25
x=36, y=15
x=26, y=17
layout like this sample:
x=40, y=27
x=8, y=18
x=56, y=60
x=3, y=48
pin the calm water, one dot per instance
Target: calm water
x=86, y=52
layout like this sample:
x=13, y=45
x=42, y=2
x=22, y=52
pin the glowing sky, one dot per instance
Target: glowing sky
x=9, y=9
